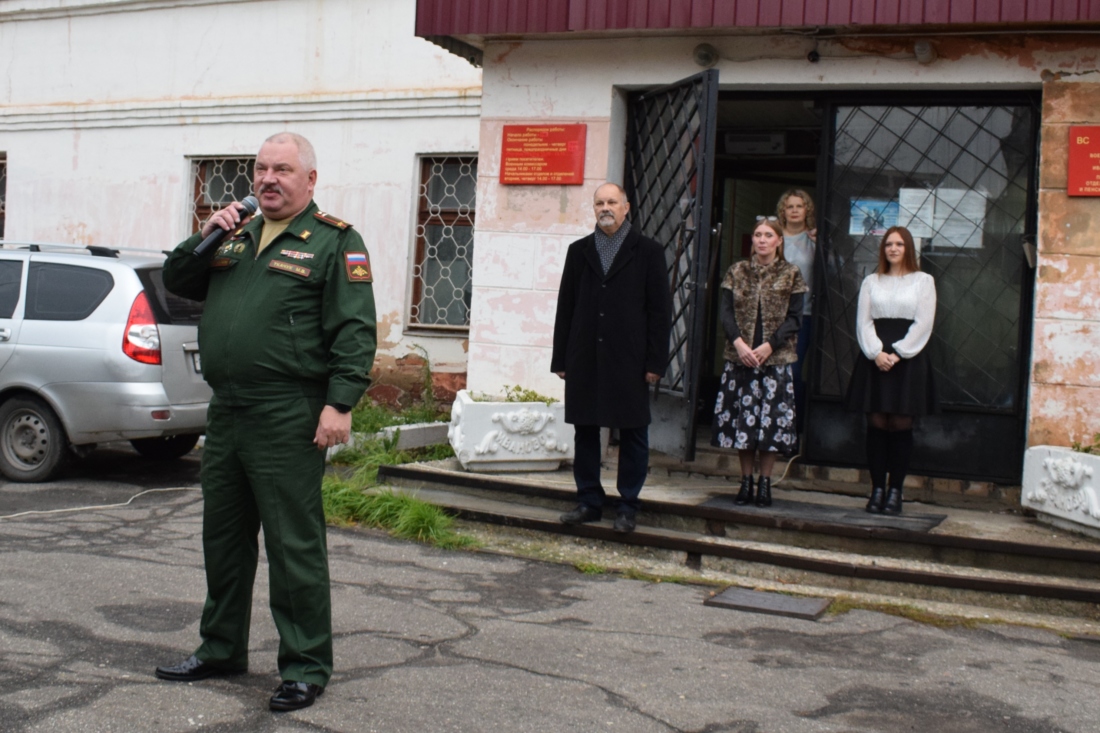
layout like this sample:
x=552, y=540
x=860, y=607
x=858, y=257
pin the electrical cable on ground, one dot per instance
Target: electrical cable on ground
x=101, y=506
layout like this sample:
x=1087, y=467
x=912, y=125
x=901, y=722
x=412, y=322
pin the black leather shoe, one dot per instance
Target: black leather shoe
x=192, y=669
x=893, y=501
x=624, y=523
x=874, y=504
x=295, y=695
x=744, y=496
x=582, y=515
x=764, y=491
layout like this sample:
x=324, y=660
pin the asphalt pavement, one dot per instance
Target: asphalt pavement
x=430, y=640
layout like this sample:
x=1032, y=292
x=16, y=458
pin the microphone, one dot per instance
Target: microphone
x=249, y=204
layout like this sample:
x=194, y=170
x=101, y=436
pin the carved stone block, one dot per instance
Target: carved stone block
x=509, y=436
x=1062, y=485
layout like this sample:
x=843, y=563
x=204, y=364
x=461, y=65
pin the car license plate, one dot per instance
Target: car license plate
x=196, y=360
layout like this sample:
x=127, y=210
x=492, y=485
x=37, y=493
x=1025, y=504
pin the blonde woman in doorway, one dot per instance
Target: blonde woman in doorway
x=796, y=215
x=761, y=308
x=893, y=384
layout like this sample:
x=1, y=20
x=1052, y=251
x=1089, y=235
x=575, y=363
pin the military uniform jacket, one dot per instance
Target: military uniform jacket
x=297, y=318
x=610, y=330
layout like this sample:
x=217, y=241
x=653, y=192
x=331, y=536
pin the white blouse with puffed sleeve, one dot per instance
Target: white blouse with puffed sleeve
x=911, y=296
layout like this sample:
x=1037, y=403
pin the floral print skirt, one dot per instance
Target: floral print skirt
x=755, y=409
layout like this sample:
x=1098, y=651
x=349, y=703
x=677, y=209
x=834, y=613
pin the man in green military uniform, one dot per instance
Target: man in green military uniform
x=287, y=340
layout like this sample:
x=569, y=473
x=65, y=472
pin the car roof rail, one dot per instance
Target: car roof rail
x=94, y=250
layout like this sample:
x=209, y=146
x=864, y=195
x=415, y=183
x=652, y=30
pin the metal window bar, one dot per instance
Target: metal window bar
x=217, y=182
x=443, y=266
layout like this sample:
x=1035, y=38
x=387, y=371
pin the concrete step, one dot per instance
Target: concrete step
x=850, y=571
x=834, y=524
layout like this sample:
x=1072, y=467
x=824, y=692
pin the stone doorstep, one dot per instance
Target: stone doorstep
x=838, y=480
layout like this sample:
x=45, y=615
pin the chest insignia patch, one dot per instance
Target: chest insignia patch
x=238, y=247
x=358, y=267
x=299, y=270
x=296, y=255
x=220, y=263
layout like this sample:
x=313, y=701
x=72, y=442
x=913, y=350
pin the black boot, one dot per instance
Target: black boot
x=874, y=504
x=744, y=496
x=893, y=501
x=764, y=491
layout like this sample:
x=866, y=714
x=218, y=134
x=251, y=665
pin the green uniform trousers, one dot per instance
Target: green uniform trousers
x=261, y=468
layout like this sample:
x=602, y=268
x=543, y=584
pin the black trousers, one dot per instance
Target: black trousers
x=633, y=466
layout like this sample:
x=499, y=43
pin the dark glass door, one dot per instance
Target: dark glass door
x=669, y=180
x=961, y=177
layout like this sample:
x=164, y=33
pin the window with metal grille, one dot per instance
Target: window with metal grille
x=217, y=182
x=958, y=177
x=443, y=267
x=3, y=190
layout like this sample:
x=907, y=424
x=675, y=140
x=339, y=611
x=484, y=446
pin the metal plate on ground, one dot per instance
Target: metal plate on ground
x=776, y=604
x=810, y=512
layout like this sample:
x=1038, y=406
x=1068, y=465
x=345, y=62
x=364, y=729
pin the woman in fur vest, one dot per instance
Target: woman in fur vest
x=761, y=310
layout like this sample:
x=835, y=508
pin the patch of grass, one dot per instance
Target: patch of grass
x=1093, y=447
x=347, y=502
x=369, y=418
x=590, y=568
x=844, y=604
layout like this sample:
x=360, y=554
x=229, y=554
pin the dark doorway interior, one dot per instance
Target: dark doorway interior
x=765, y=146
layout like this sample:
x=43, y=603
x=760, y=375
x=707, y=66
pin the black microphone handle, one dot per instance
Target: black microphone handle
x=215, y=237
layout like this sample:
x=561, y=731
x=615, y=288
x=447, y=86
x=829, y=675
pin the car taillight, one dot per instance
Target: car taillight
x=141, y=342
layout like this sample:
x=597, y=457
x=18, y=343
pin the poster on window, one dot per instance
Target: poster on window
x=917, y=211
x=872, y=216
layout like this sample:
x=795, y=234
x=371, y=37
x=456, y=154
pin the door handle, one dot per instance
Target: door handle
x=5, y=334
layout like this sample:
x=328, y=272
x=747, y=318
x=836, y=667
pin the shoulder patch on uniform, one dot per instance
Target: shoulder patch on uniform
x=331, y=220
x=358, y=267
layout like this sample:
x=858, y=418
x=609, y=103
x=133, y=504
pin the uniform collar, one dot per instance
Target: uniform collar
x=301, y=226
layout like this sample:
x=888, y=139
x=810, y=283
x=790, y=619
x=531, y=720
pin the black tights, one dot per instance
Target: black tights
x=889, y=446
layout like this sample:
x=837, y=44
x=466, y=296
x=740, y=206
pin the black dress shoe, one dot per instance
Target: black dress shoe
x=744, y=496
x=295, y=695
x=624, y=523
x=582, y=515
x=878, y=496
x=192, y=669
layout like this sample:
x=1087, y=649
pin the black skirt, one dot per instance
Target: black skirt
x=907, y=389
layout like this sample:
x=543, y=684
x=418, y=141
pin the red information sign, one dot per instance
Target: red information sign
x=1084, y=161
x=543, y=154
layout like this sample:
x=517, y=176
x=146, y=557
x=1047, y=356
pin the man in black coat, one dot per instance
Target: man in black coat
x=610, y=344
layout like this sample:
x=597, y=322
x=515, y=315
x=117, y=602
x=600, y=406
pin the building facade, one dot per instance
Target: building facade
x=125, y=123
x=952, y=118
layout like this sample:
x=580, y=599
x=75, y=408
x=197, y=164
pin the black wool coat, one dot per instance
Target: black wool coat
x=610, y=330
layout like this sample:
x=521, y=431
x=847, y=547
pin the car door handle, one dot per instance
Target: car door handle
x=5, y=334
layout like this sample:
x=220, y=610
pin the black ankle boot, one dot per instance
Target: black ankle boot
x=744, y=496
x=893, y=501
x=764, y=491
x=878, y=496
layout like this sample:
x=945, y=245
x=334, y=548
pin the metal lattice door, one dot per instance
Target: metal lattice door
x=669, y=177
x=961, y=178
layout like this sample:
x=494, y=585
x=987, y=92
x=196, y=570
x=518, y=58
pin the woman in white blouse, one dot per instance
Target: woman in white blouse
x=893, y=384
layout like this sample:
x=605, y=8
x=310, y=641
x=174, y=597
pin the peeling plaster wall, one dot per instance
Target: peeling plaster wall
x=523, y=231
x=1065, y=387
x=99, y=111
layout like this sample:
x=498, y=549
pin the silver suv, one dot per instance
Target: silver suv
x=93, y=349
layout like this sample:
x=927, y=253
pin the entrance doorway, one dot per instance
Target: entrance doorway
x=958, y=170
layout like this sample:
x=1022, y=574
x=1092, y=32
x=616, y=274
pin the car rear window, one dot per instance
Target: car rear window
x=168, y=308
x=65, y=292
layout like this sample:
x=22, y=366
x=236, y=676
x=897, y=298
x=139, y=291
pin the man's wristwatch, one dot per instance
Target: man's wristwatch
x=341, y=407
